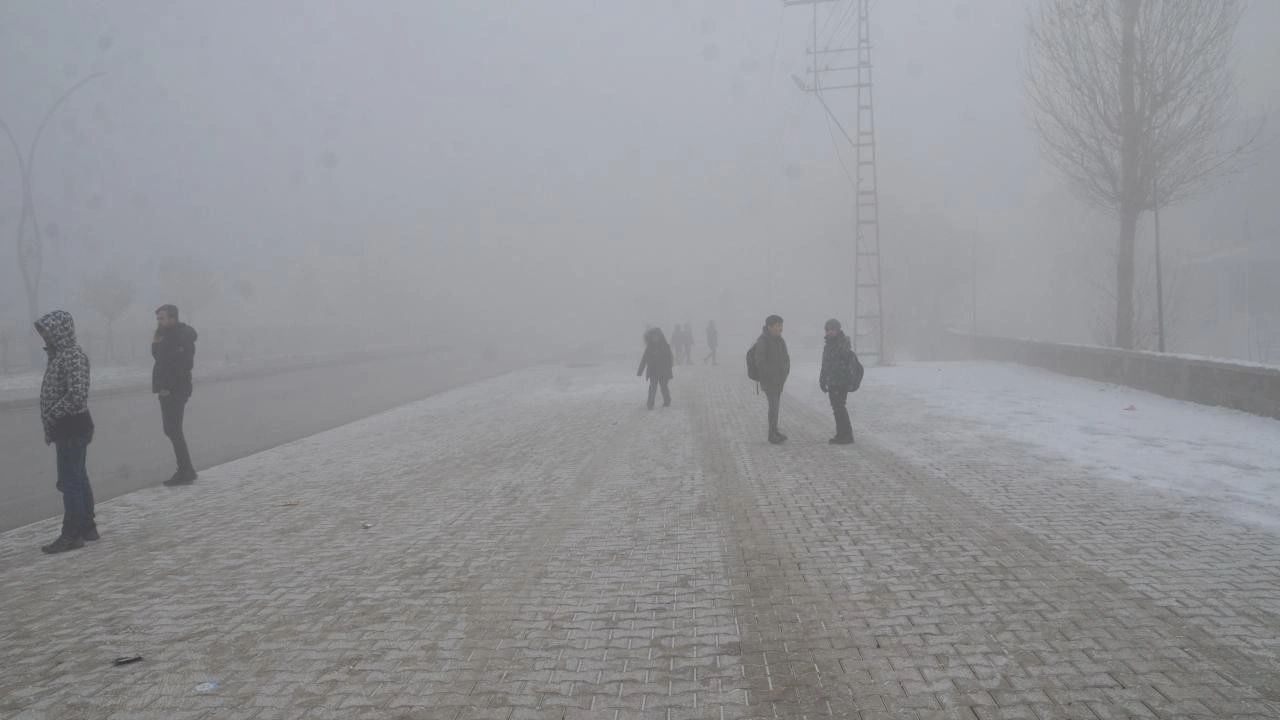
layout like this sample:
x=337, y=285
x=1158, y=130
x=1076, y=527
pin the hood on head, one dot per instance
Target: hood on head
x=654, y=335
x=60, y=327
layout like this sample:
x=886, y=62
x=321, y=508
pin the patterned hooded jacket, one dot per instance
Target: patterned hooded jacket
x=64, y=393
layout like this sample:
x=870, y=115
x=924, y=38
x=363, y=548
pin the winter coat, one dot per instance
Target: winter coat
x=64, y=392
x=175, y=355
x=773, y=360
x=658, y=357
x=840, y=367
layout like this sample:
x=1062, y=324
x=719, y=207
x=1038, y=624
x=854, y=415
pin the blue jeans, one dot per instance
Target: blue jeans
x=73, y=481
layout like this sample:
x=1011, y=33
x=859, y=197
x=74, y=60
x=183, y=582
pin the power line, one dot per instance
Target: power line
x=840, y=156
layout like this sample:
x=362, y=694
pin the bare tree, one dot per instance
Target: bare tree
x=1146, y=332
x=109, y=294
x=1131, y=98
x=5, y=337
x=188, y=283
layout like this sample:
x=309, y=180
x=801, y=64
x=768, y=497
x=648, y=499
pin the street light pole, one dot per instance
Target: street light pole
x=31, y=254
x=1155, y=207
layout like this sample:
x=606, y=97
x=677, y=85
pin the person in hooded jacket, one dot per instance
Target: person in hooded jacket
x=68, y=426
x=174, y=350
x=774, y=363
x=841, y=374
x=658, y=360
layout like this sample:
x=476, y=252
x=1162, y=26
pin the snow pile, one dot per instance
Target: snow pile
x=1113, y=432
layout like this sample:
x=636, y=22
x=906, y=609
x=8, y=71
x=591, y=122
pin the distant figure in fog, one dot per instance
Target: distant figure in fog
x=688, y=343
x=677, y=343
x=713, y=341
x=658, y=360
x=174, y=349
x=841, y=374
x=64, y=411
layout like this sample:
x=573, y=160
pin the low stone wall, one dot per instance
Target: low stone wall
x=1251, y=388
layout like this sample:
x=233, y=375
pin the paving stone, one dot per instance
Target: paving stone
x=540, y=546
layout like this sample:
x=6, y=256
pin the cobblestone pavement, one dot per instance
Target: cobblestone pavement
x=540, y=546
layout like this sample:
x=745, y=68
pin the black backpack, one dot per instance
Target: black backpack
x=753, y=370
x=858, y=372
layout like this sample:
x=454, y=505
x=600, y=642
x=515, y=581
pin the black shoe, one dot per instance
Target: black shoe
x=783, y=437
x=90, y=533
x=777, y=438
x=837, y=440
x=62, y=544
x=182, y=477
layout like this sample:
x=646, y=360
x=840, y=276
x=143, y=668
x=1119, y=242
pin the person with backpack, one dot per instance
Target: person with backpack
x=769, y=363
x=841, y=374
x=658, y=359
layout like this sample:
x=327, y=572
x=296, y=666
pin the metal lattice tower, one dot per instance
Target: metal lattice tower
x=868, y=302
x=868, y=297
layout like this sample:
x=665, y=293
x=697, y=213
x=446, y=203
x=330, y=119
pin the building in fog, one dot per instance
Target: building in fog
x=1228, y=288
x=1233, y=302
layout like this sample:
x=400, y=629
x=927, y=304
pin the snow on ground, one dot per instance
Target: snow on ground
x=1115, y=432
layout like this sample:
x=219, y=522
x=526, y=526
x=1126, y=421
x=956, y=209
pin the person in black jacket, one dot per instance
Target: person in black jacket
x=68, y=426
x=774, y=363
x=659, y=360
x=841, y=374
x=174, y=348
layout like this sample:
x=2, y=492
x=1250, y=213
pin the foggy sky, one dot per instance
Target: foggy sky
x=570, y=168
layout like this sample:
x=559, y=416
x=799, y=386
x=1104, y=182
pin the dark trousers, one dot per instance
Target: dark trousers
x=172, y=408
x=73, y=482
x=775, y=402
x=654, y=384
x=839, y=400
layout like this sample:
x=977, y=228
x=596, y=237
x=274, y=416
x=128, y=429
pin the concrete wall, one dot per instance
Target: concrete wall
x=1250, y=388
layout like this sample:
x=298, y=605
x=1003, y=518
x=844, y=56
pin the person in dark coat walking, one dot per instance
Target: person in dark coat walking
x=713, y=341
x=658, y=360
x=174, y=349
x=841, y=374
x=774, y=364
x=68, y=426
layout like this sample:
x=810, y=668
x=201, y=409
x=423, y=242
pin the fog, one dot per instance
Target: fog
x=556, y=174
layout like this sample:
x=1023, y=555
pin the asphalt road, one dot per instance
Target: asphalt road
x=226, y=420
